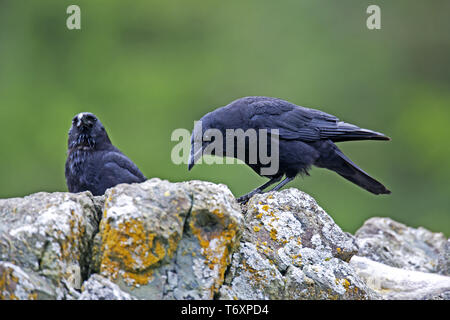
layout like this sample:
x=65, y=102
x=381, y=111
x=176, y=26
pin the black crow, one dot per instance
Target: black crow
x=305, y=137
x=93, y=163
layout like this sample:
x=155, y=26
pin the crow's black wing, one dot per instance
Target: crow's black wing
x=299, y=123
x=117, y=168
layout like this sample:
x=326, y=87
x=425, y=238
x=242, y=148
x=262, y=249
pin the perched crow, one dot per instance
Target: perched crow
x=306, y=138
x=93, y=163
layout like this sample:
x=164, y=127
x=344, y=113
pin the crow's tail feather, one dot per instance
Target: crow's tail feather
x=349, y=132
x=342, y=165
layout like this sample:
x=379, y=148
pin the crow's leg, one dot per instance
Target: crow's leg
x=282, y=184
x=247, y=196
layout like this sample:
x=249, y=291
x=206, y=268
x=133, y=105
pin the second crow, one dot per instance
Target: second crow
x=93, y=163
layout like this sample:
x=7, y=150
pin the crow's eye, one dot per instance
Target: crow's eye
x=91, y=118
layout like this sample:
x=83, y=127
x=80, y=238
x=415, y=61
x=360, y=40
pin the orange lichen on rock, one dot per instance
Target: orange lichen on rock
x=273, y=234
x=345, y=283
x=8, y=286
x=216, y=244
x=132, y=250
x=70, y=246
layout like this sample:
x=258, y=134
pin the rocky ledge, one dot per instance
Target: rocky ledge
x=192, y=240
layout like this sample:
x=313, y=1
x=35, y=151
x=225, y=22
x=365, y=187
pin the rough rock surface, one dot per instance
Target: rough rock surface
x=191, y=240
x=48, y=237
x=15, y=283
x=100, y=288
x=397, y=245
x=291, y=249
x=401, y=284
x=162, y=240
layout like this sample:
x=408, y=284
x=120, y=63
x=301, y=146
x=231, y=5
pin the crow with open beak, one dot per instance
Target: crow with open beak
x=93, y=163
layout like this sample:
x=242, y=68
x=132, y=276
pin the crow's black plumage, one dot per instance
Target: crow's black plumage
x=93, y=163
x=306, y=138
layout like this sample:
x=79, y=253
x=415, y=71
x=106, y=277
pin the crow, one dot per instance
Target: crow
x=93, y=163
x=306, y=137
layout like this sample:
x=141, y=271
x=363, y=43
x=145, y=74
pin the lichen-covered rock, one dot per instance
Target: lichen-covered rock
x=47, y=235
x=443, y=266
x=291, y=249
x=293, y=217
x=395, y=244
x=191, y=240
x=17, y=284
x=100, y=288
x=167, y=240
x=401, y=284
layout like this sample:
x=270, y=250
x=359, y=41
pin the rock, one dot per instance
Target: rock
x=291, y=249
x=401, y=284
x=46, y=239
x=443, y=266
x=162, y=240
x=16, y=284
x=100, y=288
x=395, y=244
x=191, y=240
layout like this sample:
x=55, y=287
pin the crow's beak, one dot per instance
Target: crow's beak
x=79, y=120
x=193, y=157
x=84, y=120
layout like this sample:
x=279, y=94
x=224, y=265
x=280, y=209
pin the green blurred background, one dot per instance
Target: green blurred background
x=149, y=67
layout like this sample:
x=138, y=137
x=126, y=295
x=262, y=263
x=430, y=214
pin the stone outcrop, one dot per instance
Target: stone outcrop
x=45, y=243
x=291, y=249
x=161, y=240
x=400, y=262
x=192, y=240
x=401, y=284
x=397, y=245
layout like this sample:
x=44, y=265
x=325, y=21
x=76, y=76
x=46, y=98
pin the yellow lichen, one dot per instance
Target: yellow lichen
x=217, y=256
x=173, y=244
x=129, y=247
x=218, y=213
x=273, y=234
x=254, y=274
x=8, y=283
x=345, y=283
x=296, y=256
x=32, y=296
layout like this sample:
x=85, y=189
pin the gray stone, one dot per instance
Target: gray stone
x=395, y=244
x=162, y=240
x=443, y=266
x=191, y=240
x=100, y=288
x=17, y=284
x=401, y=284
x=48, y=235
x=291, y=249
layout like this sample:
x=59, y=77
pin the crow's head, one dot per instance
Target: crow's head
x=87, y=132
x=206, y=130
